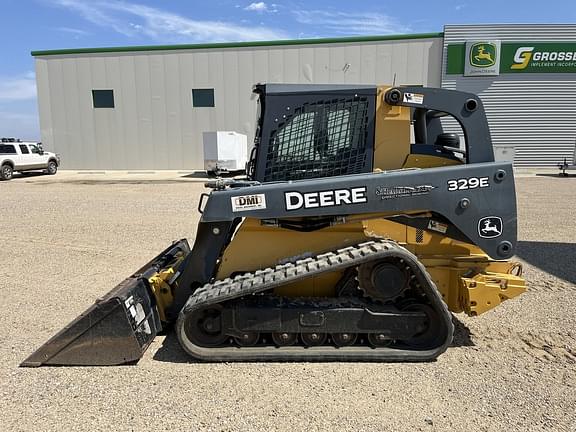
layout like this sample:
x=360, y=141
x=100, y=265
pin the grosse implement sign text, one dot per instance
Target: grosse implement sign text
x=541, y=57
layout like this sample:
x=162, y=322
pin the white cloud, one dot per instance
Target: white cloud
x=346, y=23
x=133, y=19
x=261, y=7
x=257, y=7
x=460, y=6
x=73, y=31
x=18, y=88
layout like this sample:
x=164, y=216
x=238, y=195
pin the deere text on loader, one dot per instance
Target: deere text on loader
x=360, y=226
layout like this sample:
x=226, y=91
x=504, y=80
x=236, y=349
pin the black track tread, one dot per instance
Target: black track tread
x=270, y=278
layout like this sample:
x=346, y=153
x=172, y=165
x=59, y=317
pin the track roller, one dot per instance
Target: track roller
x=314, y=339
x=379, y=340
x=247, y=339
x=344, y=339
x=284, y=339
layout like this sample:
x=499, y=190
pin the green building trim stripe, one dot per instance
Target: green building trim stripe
x=456, y=55
x=285, y=42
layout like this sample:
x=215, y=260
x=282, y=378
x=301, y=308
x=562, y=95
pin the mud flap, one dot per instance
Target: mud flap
x=116, y=330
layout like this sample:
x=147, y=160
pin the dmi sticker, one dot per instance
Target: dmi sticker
x=490, y=227
x=248, y=202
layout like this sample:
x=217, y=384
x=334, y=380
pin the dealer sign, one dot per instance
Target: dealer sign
x=491, y=57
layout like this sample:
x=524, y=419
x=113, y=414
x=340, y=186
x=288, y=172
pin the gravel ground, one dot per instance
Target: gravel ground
x=67, y=240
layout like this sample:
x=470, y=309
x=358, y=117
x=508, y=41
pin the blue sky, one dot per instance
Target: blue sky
x=51, y=24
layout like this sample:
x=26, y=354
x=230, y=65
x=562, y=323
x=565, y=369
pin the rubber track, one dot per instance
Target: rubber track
x=270, y=278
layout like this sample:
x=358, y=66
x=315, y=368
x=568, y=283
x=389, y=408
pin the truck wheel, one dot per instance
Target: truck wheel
x=52, y=168
x=6, y=172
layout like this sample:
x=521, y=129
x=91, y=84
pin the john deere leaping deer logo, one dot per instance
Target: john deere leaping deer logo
x=490, y=227
x=483, y=54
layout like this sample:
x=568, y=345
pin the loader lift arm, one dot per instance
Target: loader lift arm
x=466, y=108
x=462, y=208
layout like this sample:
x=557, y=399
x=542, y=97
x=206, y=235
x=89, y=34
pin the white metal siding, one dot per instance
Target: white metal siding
x=534, y=112
x=153, y=124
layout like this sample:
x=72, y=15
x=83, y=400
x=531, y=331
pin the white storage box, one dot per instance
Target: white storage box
x=225, y=151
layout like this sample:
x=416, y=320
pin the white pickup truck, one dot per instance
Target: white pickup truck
x=23, y=157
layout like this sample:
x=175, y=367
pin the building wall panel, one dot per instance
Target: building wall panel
x=155, y=126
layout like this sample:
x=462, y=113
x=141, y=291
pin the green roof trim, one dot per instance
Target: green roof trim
x=237, y=44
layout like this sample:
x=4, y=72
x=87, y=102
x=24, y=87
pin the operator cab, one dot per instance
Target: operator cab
x=314, y=131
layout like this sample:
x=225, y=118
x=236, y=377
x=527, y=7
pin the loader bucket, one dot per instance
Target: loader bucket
x=117, y=329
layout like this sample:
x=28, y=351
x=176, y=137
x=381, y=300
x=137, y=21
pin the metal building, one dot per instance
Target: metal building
x=529, y=90
x=146, y=107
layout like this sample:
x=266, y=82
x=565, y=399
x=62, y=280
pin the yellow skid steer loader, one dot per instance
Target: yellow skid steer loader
x=360, y=225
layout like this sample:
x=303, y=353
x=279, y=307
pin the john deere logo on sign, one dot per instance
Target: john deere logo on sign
x=482, y=58
x=483, y=54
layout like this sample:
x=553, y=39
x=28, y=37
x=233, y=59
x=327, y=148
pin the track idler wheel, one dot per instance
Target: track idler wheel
x=204, y=327
x=432, y=334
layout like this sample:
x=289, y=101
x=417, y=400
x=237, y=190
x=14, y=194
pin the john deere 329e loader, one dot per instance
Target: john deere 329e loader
x=360, y=226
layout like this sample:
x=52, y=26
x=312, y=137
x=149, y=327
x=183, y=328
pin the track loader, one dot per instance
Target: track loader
x=360, y=226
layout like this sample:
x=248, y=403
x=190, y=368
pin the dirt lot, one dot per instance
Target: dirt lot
x=66, y=240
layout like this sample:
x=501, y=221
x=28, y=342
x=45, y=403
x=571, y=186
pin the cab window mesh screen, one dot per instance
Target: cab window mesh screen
x=322, y=139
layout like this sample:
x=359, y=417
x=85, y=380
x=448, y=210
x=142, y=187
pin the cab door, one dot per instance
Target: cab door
x=27, y=159
x=37, y=160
